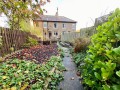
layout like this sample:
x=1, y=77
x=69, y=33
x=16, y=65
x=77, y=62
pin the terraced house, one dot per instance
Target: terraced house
x=53, y=26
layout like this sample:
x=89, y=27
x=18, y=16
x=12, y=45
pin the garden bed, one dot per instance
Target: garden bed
x=18, y=74
x=38, y=67
x=39, y=53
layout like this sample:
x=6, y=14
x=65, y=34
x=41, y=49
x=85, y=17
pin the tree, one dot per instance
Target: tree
x=17, y=10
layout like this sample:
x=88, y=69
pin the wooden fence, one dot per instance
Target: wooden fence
x=70, y=36
x=84, y=32
x=11, y=38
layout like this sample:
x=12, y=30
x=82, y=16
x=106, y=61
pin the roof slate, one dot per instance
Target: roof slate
x=55, y=18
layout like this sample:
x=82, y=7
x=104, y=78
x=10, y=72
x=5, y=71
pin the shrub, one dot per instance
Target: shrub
x=27, y=27
x=102, y=63
x=81, y=44
x=30, y=42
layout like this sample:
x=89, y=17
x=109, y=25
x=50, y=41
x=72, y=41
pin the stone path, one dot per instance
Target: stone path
x=71, y=80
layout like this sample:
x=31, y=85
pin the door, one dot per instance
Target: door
x=50, y=34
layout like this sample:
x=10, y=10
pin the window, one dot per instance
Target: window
x=37, y=24
x=64, y=25
x=55, y=25
x=73, y=26
x=56, y=33
x=44, y=24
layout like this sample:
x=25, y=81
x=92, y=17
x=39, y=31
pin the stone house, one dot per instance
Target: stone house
x=53, y=26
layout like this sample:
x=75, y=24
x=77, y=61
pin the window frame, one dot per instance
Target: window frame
x=45, y=24
x=56, y=25
x=73, y=26
x=63, y=25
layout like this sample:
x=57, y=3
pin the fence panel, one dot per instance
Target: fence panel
x=84, y=32
x=11, y=38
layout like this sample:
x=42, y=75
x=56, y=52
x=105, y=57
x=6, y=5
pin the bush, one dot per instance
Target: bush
x=102, y=63
x=27, y=27
x=81, y=44
x=30, y=42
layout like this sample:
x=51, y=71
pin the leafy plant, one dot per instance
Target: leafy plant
x=61, y=52
x=27, y=27
x=18, y=74
x=102, y=63
x=79, y=60
x=30, y=42
x=79, y=57
x=16, y=11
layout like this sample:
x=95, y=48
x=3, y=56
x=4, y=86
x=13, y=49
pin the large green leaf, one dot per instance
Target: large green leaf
x=118, y=73
x=117, y=50
x=117, y=35
x=97, y=75
x=104, y=74
x=106, y=87
x=116, y=87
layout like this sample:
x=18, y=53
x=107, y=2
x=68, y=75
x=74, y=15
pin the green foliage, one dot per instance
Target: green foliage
x=19, y=10
x=25, y=26
x=79, y=59
x=62, y=54
x=21, y=74
x=102, y=63
x=30, y=42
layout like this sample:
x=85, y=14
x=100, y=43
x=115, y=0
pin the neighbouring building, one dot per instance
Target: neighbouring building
x=53, y=26
x=102, y=19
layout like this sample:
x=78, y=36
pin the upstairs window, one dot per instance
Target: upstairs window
x=55, y=25
x=44, y=24
x=64, y=25
x=73, y=26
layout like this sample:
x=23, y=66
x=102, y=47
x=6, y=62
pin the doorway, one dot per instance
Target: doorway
x=50, y=34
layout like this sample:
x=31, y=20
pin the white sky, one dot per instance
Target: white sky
x=3, y=21
x=83, y=11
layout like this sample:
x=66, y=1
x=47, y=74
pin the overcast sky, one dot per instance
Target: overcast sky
x=83, y=11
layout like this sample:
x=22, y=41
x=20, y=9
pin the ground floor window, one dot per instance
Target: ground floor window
x=56, y=33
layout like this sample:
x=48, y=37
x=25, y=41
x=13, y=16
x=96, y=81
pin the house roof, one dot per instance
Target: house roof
x=55, y=18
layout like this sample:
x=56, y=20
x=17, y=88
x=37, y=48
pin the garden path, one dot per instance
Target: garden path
x=71, y=80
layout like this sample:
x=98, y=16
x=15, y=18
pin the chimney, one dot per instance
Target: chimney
x=56, y=12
